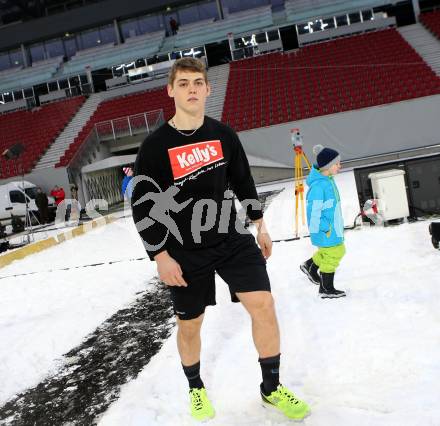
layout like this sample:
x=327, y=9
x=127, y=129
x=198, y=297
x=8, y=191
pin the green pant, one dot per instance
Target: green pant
x=328, y=258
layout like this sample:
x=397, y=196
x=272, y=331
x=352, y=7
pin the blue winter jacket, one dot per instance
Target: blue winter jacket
x=324, y=214
x=125, y=184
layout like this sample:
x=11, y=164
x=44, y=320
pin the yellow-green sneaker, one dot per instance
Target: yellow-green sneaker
x=285, y=401
x=200, y=405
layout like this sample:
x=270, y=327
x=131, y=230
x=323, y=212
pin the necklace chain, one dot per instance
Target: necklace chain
x=182, y=133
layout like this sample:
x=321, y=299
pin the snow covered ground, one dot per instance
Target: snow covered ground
x=372, y=358
x=42, y=232
x=44, y=315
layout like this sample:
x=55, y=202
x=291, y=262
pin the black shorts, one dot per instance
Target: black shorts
x=239, y=262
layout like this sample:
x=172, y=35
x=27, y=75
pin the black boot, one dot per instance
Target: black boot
x=326, y=288
x=434, y=230
x=311, y=270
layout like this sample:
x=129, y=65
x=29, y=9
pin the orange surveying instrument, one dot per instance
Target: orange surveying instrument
x=299, y=157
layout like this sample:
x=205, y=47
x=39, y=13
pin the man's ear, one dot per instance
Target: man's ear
x=208, y=88
x=170, y=91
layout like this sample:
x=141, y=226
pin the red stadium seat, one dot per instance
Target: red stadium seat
x=340, y=75
x=118, y=108
x=36, y=130
x=431, y=20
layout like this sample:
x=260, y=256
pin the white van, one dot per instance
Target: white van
x=12, y=201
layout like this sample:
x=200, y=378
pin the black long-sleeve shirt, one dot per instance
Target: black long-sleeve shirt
x=203, y=167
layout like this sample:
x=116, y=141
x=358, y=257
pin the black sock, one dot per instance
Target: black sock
x=270, y=369
x=192, y=373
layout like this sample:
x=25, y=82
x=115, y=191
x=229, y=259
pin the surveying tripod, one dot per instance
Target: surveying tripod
x=299, y=157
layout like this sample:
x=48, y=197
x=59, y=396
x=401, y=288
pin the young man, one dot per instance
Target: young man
x=195, y=160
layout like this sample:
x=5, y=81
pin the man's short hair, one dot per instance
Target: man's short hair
x=187, y=64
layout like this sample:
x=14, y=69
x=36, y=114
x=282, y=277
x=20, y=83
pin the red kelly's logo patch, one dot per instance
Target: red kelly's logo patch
x=190, y=158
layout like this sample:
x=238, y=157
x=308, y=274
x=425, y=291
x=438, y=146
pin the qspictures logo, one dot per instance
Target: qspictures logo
x=188, y=159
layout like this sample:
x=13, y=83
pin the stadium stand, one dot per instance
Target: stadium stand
x=344, y=74
x=98, y=57
x=36, y=130
x=299, y=10
x=108, y=55
x=431, y=20
x=208, y=31
x=39, y=72
x=120, y=107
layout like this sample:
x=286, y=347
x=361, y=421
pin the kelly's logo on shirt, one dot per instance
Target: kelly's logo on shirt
x=190, y=158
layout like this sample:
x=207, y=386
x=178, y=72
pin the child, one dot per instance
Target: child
x=326, y=226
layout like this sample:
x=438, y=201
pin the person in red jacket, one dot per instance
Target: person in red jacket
x=58, y=194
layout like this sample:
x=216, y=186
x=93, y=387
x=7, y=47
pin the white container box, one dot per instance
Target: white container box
x=390, y=191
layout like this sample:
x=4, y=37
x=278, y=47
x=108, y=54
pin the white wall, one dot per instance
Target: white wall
x=355, y=134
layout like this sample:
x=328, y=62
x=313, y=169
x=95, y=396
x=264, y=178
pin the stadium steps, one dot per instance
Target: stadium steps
x=167, y=45
x=67, y=136
x=279, y=17
x=425, y=44
x=218, y=77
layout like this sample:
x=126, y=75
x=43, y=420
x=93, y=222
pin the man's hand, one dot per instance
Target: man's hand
x=169, y=270
x=263, y=238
